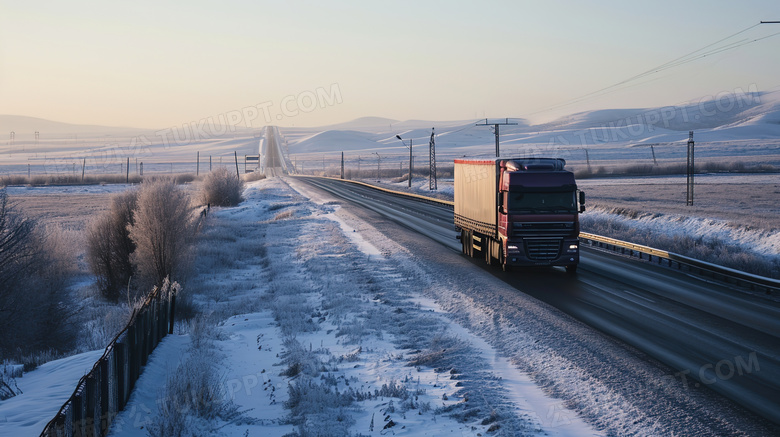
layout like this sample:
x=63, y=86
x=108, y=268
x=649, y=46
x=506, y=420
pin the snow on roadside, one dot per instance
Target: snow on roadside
x=147, y=395
x=44, y=390
x=759, y=241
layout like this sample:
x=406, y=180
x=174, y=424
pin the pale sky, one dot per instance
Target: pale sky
x=154, y=64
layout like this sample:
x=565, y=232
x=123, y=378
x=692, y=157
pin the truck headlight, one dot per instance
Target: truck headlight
x=511, y=247
x=572, y=247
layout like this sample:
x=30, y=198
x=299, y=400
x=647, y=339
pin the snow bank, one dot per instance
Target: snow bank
x=44, y=390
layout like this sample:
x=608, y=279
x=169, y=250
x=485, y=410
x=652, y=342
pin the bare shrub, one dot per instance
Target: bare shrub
x=8, y=375
x=221, y=188
x=183, y=178
x=254, y=176
x=109, y=245
x=34, y=274
x=162, y=232
x=17, y=255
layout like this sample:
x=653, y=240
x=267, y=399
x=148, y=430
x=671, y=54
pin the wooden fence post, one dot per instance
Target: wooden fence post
x=171, y=311
x=120, y=357
x=80, y=413
x=93, y=405
x=104, y=418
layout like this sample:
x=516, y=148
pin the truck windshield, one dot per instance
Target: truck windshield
x=541, y=203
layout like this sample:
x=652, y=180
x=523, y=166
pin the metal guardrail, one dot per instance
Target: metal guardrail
x=419, y=197
x=725, y=274
x=104, y=391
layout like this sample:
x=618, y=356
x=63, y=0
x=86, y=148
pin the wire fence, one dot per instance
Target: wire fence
x=103, y=392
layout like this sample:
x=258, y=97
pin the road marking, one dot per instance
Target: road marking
x=641, y=297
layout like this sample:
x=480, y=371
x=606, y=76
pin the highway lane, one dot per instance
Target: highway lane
x=710, y=334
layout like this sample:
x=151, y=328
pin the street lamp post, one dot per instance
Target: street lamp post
x=410, y=157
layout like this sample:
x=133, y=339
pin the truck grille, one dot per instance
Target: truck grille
x=520, y=229
x=542, y=249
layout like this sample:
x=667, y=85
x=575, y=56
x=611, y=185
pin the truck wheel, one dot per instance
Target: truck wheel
x=486, y=250
x=571, y=269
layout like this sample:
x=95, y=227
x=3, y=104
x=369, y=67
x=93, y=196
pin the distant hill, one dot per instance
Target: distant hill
x=723, y=111
x=363, y=123
x=26, y=126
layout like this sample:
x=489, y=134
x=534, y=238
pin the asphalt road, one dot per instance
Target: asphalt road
x=715, y=336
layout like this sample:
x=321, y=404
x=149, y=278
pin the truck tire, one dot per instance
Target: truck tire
x=572, y=270
x=487, y=250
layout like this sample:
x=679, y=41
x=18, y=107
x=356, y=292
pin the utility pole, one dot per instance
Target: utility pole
x=587, y=159
x=691, y=170
x=378, y=160
x=495, y=130
x=410, y=157
x=432, y=185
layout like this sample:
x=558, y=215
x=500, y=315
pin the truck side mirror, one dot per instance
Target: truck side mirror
x=582, y=201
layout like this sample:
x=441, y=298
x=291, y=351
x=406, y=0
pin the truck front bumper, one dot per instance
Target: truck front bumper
x=539, y=251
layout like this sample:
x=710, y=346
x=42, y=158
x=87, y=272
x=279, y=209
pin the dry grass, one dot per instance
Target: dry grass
x=742, y=205
x=751, y=204
x=679, y=168
x=72, y=179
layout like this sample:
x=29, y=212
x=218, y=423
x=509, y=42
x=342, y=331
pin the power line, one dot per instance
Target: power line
x=687, y=58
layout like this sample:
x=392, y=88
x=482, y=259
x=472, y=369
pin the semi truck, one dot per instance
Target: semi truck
x=518, y=212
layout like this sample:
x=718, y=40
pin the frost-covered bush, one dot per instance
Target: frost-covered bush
x=221, y=188
x=8, y=375
x=35, y=269
x=163, y=232
x=254, y=176
x=109, y=245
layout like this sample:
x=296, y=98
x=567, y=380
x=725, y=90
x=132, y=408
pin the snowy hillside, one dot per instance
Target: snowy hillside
x=742, y=125
x=739, y=126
